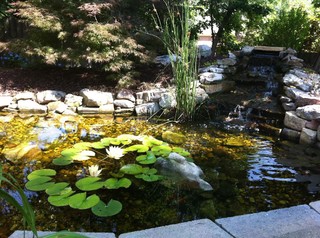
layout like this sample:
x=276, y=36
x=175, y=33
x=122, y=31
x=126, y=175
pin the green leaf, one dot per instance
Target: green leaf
x=151, y=141
x=56, y=188
x=61, y=200
x=106, y=141
x=98, y=145
x=102, y=210
x=113, y=183
x=62, y=161
x=39, y=184
x=131, y=169
x=82, y=146
x=70, y=152
x=163, y=150
x=41, y=172
x=149, y=177
x=138, y=148
x=149, y=158
x=181, y=151
x=89, y=184
x=81, y=201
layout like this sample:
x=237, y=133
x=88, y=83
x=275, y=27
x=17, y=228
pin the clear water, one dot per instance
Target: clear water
x=249, y=173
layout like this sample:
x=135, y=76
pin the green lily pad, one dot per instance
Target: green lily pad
x=56, y=188
x=149, y=177
x=181, y=151
x=62, y=199
x=102, y=210
x=89, y=184
x=106, y=141
x=138, y=148
x=131, y=169
x=40, y=173
x=81, y=201
x=151, y=141
x=97, y=145
x=62, y=161
x=82, y=146
x=163, y=150
x=149, y=158
x=147, y=170
x=70, y=152
x=114, y=183
x=39, y=184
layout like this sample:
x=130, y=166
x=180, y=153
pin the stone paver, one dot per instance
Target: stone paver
x=276, y=223
x=199, y=228
x=311, y=232
x=315, y=206
x=28, y=234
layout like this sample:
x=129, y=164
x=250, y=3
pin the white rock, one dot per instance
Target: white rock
x=168, y=100
x=310, y=112
x=47, y=96
x=293, y=80
x=30, y=106
x=147, y=109
x=209, y=77
x=126, y=94
x=201, y=95
x=165, y=60
x=5, y=101
x=57, y=106
x=123, y=103
x=92, y=98
x=308, y=137
x=25, y=96
x=306, y=99
x=73, y=100
x=292, y=121
x=294, y=93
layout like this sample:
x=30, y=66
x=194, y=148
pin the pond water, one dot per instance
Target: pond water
x=248, y=172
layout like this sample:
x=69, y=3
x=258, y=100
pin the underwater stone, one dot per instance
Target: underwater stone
x=47, y=96
x=178, y=169
x=308, y=137
x=174, y=138
x=294, y=122
x=24, y=151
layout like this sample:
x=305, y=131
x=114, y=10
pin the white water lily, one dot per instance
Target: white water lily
x=115, y=152
x=94, y=170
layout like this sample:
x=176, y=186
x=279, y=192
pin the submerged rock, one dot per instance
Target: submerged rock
x=174, y=138
x=24, y=151
x=178, y=169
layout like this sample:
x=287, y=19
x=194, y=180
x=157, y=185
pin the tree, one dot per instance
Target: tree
x=226, y=15
x=78, y=33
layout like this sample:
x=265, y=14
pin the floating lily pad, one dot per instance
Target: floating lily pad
x=56, y=188
x=151, y=141
x=70, y=152
x=81, y=201
x=138, y=148
x=102, y=210
x=89, y=184
x=114, y=183
x=147, y=170
x=97, y=145
x=163, y=150
x=62, y=161
x=82, y=146
x=39, y=184
x=181, y=151
x=149, y=158
x=131, y=169
x=149, y=177
x=62, y=199
x=41, y=173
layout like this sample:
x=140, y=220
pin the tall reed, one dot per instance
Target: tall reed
x=182, y=50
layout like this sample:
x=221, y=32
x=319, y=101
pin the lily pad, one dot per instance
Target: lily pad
x=89, y=184
x=97, y=145
x=56, y=188
x=149, y=177
x=82, y=146
x=39, y=184
x=62, y=199
x=181, y=151
x=81, y=201
x=149, y=158
x=70, y=152
x=62, y=161
x=151, y=141
x=131, y=169
x=114, y=183
x=40, y=173
x=102, y=210
x=163, y=150
x=138, y=148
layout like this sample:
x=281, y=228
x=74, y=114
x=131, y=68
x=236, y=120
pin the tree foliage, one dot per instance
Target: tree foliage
x=78, y=34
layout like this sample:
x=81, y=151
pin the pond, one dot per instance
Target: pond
x=247, y=171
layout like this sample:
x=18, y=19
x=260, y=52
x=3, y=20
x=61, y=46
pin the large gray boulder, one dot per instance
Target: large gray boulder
x=292, y=121
x=308, y=137
x=147, y=109
x=47, y=96
x=310, y=112
x=293, y=80
x=178, y=169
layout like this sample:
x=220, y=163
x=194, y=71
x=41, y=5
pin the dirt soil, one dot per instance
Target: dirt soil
x=13, y=80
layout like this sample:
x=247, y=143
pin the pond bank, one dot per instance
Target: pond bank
x=293, y=222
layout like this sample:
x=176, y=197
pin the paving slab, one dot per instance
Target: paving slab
x=315, y=206
x=198, y=228
x=275, y=223
x=311, y=232
x=28, y=234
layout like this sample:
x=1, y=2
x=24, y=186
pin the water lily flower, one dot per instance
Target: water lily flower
x=94, y=170
x=115, y=152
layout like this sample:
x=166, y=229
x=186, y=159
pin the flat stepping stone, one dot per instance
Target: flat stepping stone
x=192, y=229
x=29, y=234
x=277, y=223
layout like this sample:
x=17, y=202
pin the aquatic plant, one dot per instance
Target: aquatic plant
x=25, y=208
x=138, y=154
